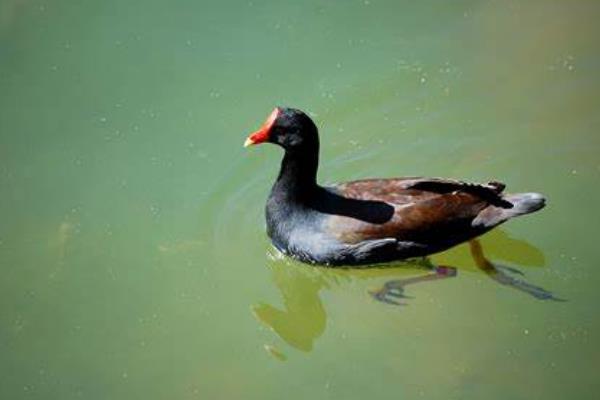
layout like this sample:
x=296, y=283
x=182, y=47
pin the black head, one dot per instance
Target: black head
x=287, y=127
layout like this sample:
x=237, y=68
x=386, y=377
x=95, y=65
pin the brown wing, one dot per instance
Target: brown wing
x=425, y=209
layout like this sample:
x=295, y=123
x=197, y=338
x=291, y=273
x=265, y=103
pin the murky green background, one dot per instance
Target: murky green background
x=133, y=258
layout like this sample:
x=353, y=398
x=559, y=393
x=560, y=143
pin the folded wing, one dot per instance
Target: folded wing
x=426, y=210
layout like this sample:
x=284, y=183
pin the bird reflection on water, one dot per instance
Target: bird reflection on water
x=303, y=317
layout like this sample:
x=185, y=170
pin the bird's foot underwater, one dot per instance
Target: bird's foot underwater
x=501, y=274
x=393, y=292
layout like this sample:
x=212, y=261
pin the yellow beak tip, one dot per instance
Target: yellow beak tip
x=248, y=142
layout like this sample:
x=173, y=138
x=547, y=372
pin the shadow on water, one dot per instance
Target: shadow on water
x=302, y=319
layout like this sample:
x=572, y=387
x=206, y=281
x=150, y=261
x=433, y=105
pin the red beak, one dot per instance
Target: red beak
x=262, y=135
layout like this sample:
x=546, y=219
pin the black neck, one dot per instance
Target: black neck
x=297, y=178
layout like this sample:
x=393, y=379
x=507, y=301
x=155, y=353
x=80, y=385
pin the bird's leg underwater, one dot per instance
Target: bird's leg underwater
x=393, y=291
x=499, y=273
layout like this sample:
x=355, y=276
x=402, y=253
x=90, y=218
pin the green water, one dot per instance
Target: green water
x=133, y=254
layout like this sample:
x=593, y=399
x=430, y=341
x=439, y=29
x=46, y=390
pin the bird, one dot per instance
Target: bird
x=371, y=221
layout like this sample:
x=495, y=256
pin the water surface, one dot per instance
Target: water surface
x=133, y=253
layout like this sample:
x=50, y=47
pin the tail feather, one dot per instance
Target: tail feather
x=523, y=203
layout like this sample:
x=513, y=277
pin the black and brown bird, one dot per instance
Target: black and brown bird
x=371, y=220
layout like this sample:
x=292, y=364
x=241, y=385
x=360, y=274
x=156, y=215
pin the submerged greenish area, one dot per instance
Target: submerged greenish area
x=133, y=257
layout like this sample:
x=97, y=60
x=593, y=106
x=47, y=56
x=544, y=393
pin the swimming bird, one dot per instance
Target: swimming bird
x=371, y=221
